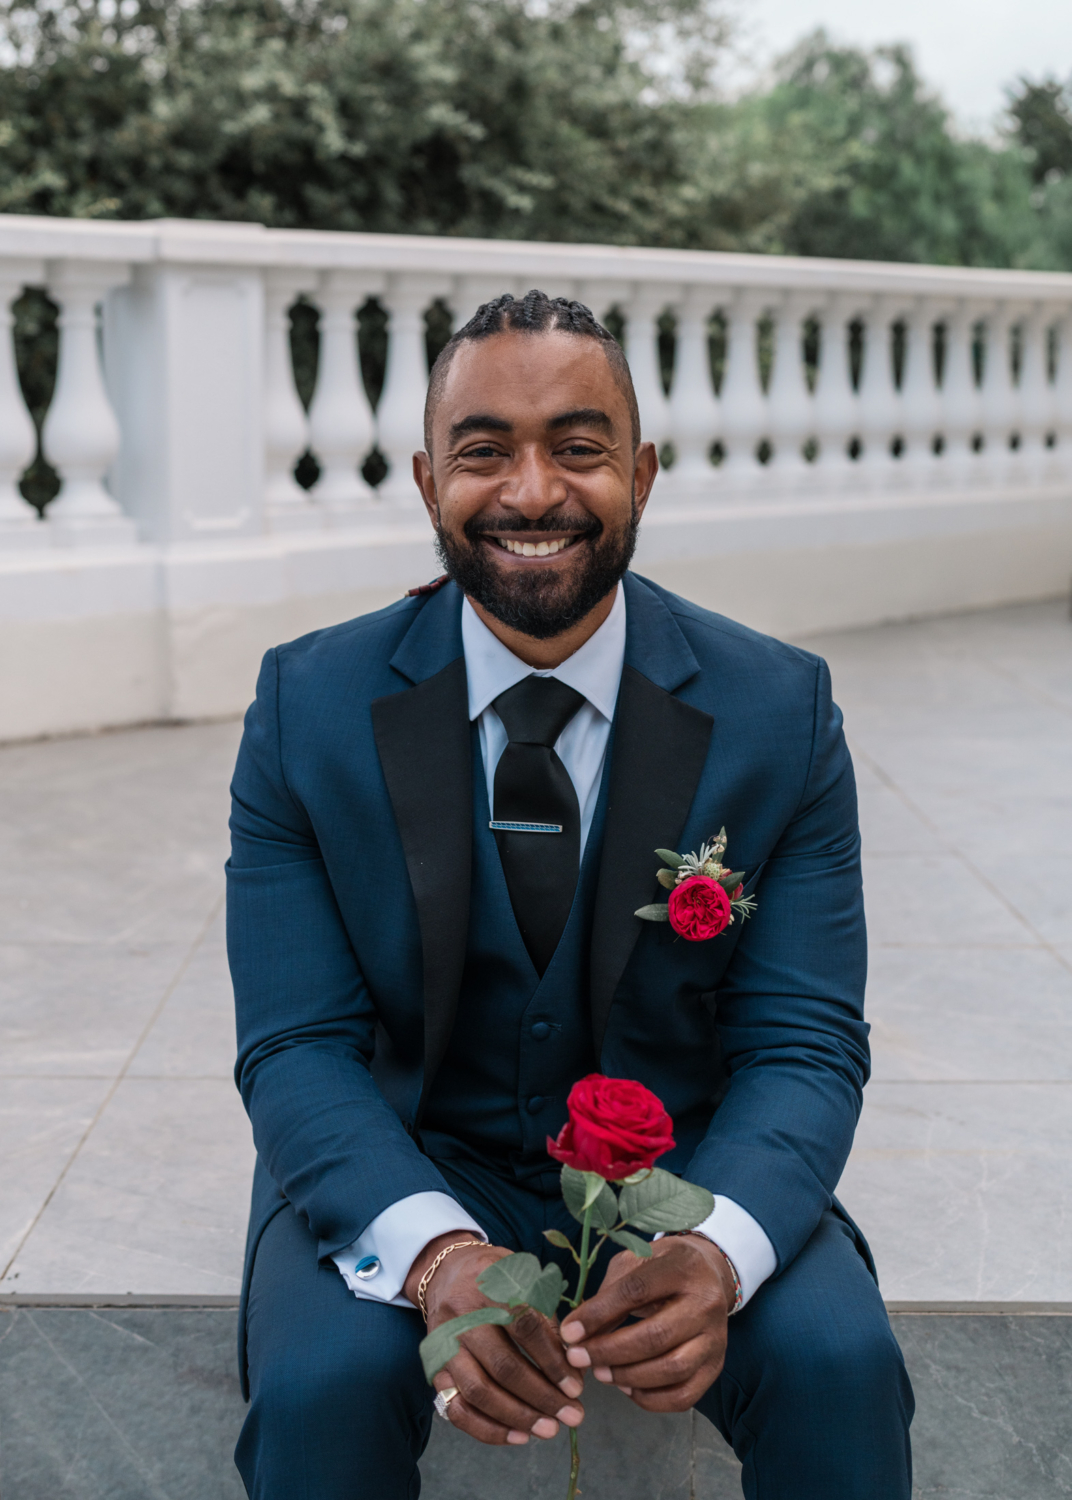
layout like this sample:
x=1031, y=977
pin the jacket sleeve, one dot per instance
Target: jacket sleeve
x=304, y=1016
x=790, y=1011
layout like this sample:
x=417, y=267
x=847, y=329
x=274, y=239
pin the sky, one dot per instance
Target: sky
x=967, y=51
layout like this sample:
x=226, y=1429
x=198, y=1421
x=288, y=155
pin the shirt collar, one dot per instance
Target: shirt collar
x=595, y=669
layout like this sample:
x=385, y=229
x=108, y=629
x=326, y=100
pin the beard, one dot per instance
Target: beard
x=539, y=602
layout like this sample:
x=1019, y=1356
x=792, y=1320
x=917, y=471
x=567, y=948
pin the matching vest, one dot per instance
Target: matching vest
x=519, y=1042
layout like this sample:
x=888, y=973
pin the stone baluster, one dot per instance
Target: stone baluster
x=1061, y=425
x=694, y=410
x=999, y=398
x=342, y=428
x=960, y=404
x=642, y=308
x=20, y=525
x=286, y=427
x=836, y=403
x=919, y=396
x=792, y=413
x=1034, y=394
x=81, y=436
x=879, y=399
x=400, y=415
x=745, y=408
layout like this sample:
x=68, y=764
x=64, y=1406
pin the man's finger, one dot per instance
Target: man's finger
x=481, y=1394
x=678, y=1397
x=676, y=1367
x=541, y=1341
x=505, y=1368
x=474, y=1422
x=674, y=1324
x=647, y=1281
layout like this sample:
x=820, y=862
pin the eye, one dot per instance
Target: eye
x=580, y=449
x=481, y=450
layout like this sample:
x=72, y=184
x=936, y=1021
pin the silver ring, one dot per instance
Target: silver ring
x=443, y=1399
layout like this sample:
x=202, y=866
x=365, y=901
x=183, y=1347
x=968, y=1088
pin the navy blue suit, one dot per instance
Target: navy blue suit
x=385, y=1008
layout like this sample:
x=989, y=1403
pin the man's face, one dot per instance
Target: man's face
x=532, y=485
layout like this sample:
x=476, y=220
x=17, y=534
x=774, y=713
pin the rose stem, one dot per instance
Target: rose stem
x=582, y=1277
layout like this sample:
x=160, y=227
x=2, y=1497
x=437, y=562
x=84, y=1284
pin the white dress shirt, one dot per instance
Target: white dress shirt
x=377, y=1263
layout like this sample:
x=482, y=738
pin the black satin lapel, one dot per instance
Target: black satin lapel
x=424, y=743
x=659, y=749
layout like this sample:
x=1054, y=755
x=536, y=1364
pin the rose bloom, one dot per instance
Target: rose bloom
x=616, y=1127
x=699, y=909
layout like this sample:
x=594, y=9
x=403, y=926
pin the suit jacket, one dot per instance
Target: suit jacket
x=348, y=896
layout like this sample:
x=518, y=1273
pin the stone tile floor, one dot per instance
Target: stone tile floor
x=126, y=1153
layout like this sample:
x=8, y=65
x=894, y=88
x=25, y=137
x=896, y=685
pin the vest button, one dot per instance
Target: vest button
x=541, y=1031
x=535, y=1104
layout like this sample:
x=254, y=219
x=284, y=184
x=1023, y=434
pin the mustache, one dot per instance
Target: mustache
x=582, y=526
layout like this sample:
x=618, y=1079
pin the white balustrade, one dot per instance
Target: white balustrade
x=999, y=397
x=920, y=420
x=879, y=398
x=1034, y=405
x=791, y=406
x=745, y=409
x=181, y=411
x=694, y=411
x=836, y=405
x=20, y=524
x=286, y=426
x=81, y=436
x=400, y=414
x=642, y=308
x=961, y=407
x=342, y=428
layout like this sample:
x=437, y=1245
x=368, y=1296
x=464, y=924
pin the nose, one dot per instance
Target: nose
x=534, y=485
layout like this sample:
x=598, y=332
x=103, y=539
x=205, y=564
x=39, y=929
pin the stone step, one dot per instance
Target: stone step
x=136, y=1399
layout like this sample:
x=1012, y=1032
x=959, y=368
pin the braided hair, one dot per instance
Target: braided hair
x=535, y=312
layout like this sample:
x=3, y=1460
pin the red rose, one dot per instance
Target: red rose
x=616, y=1127
x=699, y=908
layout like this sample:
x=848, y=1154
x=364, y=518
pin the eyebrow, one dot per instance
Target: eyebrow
x=583, y=416
x=479, y=422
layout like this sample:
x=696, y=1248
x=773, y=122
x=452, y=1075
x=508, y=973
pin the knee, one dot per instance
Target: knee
x=847, y=1362
x=331, y=1374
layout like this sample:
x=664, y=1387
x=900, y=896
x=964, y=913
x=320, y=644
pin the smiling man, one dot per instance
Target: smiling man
x=445, y=817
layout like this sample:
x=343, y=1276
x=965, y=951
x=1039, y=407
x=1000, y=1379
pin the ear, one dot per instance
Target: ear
x=422, y=477
x=645, y=468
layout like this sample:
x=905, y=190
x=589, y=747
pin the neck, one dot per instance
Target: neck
x=545, y=655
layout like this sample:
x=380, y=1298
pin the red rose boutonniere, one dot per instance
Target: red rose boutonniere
x=705, y=895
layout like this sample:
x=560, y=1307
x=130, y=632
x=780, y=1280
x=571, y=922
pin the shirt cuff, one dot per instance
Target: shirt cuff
x=376, y=1265
x=739, y=1237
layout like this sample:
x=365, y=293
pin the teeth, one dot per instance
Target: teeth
x=534, y=549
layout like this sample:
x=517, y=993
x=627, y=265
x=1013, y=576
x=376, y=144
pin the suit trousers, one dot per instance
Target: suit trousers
x=814, y=1397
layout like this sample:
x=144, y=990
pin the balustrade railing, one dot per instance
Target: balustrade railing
x=176, y=417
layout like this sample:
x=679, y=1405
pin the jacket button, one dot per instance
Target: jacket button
x=535, y=1104
x=541, y=1031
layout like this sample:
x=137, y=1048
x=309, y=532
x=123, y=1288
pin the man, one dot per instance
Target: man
x=418, y=987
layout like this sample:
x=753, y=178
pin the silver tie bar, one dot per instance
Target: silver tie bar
x=502, y=827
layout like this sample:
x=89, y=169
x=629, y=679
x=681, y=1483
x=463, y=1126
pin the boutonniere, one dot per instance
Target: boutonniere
x=705, y=895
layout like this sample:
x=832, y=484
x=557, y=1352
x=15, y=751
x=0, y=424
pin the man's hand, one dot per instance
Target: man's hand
x=682, y=1297
x=502, y=1395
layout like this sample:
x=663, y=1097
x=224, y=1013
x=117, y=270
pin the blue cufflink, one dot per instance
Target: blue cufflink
x=367, y=1267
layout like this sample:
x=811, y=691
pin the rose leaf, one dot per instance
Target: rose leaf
x=729, y=880
x=631, y=1242
x=441, y=1345
x=546, y=1292
x=664, y=1201
x=575, y=1193
x=668, y=857
x=657, y=912
x=557, y=1238
x=511, y=1279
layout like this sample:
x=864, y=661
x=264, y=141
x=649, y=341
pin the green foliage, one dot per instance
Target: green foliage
x=1042, y=122
x=663, y=1201
x=520, y=1281
x=440, y=1346
x=580, y=1190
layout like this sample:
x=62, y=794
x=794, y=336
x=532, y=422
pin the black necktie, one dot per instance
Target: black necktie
x=533, y=786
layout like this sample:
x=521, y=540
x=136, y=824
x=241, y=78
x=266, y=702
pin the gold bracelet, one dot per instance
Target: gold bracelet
x=434, y=1267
